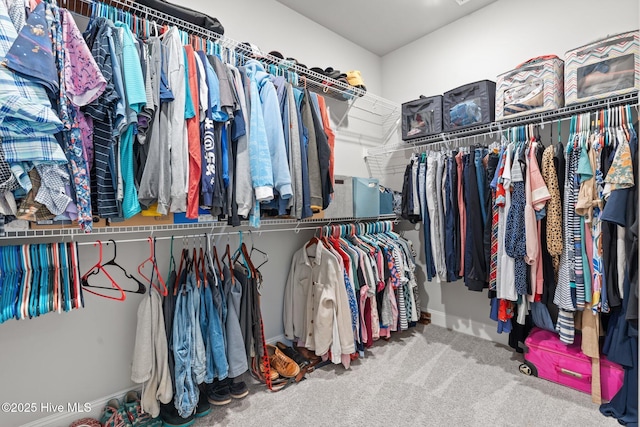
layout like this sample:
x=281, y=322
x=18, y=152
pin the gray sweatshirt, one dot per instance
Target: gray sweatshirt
x=244, y=187
x=156, y=179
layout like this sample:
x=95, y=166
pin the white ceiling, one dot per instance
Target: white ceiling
x=382, y=26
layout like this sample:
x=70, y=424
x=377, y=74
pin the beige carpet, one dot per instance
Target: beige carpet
x=429, y=376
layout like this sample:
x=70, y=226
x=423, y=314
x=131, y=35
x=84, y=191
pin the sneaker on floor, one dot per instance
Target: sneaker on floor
x=218, y=393
x=204, y=407
x=114, y=415
x=238, y=389
x=133, y=410
x=169, y=415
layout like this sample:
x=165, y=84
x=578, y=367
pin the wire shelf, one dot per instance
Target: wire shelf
x=314, y=81
x=491, y=128
x=185, y=229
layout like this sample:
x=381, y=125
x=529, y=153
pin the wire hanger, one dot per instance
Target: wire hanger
x=99, y=268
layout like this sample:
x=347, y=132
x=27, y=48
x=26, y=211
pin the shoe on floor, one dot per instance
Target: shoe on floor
x=238, y=389
x=169, y=415
x=133, y=411
x=218, y=393
x=302, y=361
x=114, y=415
x=204, y=407
x=273, y=373
x=308, y=354
x=285, y=366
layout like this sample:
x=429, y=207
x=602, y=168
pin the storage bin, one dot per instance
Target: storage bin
x=342, y=204
x=533, y=86
x=366, y=198
x=469, y=105
x=605, y=68
x=549, y=358
x=421, y=117
x=386, y=201
x=204, y=215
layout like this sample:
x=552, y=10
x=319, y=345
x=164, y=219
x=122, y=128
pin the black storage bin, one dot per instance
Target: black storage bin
x=421, y=117
x=469, y=105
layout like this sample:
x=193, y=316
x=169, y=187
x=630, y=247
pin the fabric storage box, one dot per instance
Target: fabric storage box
x=602, y=69
x=203, y=216
x=421, y=117
x=366, y=198
x=469, y=105
x=549, y=358
x=342, y=204
x=533, y=86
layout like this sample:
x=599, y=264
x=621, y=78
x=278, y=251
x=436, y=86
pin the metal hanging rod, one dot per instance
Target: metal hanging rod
x=181, y=228
x=250, y=232
x=437, y=141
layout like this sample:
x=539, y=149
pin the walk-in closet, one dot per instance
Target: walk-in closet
x=290, y=213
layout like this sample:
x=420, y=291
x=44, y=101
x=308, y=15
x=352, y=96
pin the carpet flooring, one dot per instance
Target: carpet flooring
x=429, y=376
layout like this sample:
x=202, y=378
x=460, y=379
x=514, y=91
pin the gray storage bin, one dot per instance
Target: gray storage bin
x=366, y=198
x=342, y=204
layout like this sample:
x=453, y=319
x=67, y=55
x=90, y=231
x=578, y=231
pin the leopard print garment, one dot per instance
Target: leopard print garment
x=554, y=207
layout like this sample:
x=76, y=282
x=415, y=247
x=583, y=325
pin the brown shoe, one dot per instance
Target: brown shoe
x=280, y=362
x=302, y=361
x=306, y=353
x=273, y=373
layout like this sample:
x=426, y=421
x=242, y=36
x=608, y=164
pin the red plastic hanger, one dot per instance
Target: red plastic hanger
x=154, y=265
x=95, y=270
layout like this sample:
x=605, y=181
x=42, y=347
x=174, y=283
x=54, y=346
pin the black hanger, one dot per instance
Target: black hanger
x=141, y=287
x=253, y=248
x=98, y=267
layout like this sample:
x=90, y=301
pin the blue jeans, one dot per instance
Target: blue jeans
x=187, y=393
x=217, y=366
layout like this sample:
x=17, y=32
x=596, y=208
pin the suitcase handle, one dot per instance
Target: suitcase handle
x=571, y=373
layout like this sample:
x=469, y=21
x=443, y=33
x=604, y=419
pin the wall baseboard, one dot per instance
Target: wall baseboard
x=467, y=326
x=63, y=419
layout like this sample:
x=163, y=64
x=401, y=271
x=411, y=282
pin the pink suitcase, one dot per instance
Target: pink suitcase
x=547, y=357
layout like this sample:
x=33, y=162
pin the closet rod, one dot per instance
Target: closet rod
x=230, y=233
x=189, y=236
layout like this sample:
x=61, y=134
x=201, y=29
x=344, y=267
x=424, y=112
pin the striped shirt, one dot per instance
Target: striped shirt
x=102, y=113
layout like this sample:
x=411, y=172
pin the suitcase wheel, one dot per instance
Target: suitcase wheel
x=528, y=369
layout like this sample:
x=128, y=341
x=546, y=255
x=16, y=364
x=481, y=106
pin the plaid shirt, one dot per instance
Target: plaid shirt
x=27, y=122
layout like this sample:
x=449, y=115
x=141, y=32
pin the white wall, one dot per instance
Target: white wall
x=86, y=355
x=480, y=46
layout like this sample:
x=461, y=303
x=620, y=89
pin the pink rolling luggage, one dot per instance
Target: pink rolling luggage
x=547, y=357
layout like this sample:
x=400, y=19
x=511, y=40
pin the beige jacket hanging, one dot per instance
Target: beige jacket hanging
x=150, y=355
